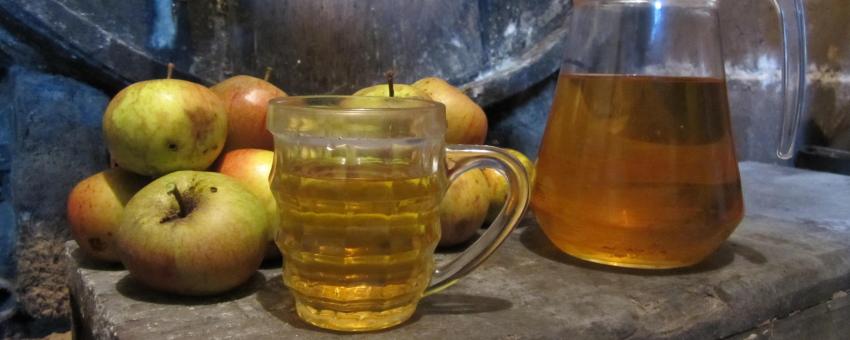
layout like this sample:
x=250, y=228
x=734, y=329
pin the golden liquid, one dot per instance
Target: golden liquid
x=358, y=243
x=638, y=171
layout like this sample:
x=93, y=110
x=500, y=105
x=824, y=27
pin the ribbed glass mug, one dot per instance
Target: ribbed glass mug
x=637, y=166
x=358, y=182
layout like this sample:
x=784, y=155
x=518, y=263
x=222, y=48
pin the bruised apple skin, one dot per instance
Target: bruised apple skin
x=158, y=126
x=94, y=210
x=192, y=233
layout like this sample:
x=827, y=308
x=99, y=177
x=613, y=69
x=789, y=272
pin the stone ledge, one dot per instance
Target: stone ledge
x=791, y=253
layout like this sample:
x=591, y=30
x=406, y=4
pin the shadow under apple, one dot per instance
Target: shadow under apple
x=133, y=289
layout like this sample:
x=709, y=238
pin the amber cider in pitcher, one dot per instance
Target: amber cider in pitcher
x=638, y=171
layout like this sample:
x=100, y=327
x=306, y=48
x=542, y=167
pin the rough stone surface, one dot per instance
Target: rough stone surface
x=14, y=51
x=518, y=122
x=824, y=321
x=8, y=237
x=8, y=233
x=829, y=71
x=56, y=142
x=791, y=253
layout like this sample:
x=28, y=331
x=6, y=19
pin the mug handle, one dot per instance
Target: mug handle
x=471, y=157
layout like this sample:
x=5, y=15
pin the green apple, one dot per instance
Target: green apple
x=499, y=185
x=463, y=208
x=251, y=168
x=94, y=210
x=466, y=122
x=247, y=100
x=193, y=233
x=399, y=90
x=158, y=126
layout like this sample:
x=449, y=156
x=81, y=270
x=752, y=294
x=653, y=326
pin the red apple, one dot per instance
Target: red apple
x=251, y=168
x=246, y=99
x=94, y=208
x=192, y=233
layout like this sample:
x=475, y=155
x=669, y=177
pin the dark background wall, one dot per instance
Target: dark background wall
x=61, y=60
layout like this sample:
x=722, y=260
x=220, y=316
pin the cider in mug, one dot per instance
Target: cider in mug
x=638, y=171
x=359, y=241
x=358, y=182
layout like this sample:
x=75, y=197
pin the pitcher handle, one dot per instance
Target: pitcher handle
x=471, y=157
x=794, y=63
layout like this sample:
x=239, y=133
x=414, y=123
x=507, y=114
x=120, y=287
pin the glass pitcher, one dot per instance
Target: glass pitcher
x=637, y=167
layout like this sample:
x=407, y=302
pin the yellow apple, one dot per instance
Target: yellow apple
x=498, y=185
x=463, y=208
x=399, y=90
x=154, y=127
x=466, y=122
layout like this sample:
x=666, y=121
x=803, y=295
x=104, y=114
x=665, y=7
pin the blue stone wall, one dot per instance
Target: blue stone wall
x=8, y=232
x=52, y=128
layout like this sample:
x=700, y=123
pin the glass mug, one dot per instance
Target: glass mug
x=637, y=166
x=358, y=182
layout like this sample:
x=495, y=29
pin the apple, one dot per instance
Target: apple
x=251, y=168
x=466, y=122
x=158, y=126
x=391, y=89
x=246, y=99
x=192, y=233
x=499, y=185
x=463, y=208
x=399, y=90
x=94, y=210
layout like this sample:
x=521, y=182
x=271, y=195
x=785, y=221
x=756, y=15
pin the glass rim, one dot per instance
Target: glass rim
x=289, y=115
x=300, y=103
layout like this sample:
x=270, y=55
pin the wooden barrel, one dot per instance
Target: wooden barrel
x=493, y=49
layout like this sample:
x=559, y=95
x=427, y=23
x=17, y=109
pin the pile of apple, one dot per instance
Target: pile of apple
x=187, y=207
x=477, y=196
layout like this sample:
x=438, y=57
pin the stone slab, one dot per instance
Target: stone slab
x=828, y=320
x=790, y=254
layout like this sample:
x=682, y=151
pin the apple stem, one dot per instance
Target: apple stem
x=390, y=75
x=177, y=196
x=268, y=73
x=170, y=70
